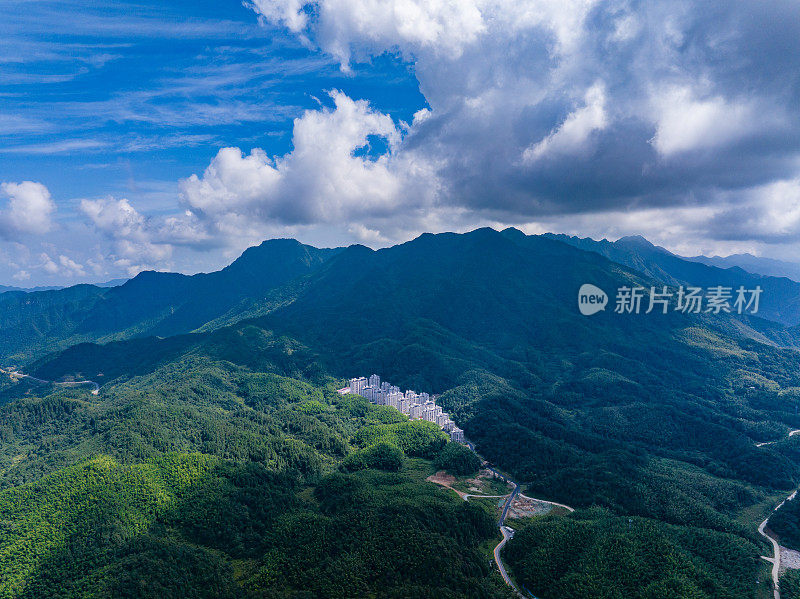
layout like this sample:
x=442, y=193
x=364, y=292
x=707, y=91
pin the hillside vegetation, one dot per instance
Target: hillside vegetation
x=648, y=424
x=206, y=479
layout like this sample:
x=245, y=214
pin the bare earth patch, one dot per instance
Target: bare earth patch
x=790, y=559
x=445, y=480
x=442, y=478
x=525, y=507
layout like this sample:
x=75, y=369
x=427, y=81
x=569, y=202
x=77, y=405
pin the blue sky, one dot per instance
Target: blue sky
x=125, y=99
x=173, y=135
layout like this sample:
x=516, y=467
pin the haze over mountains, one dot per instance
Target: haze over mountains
x=753, y=264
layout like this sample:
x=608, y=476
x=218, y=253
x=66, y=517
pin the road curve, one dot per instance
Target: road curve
x=505, y=530
x=776, y=548
x=15, y=373
x=506, y=535
x=791, y=434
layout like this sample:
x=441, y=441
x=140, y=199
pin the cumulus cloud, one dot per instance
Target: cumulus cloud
x=330, y=176
x=136, y=241
x=685, y=123
x=441, y=25
x=546, y=108
x=770, y=213
x=30, y=209
x=572, y=135
x=61, y=265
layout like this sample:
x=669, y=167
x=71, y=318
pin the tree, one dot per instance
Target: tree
x=457, y=459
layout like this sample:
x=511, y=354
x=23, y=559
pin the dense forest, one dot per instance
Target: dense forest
x=785, y=524
x=594, y=553
x=227, y=452
x=204, y=479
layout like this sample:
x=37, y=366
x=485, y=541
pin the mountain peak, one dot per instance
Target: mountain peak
x=635, y=240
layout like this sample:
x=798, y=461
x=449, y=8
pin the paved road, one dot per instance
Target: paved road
x=791, y=434
x=15, y=373
x=505, y=530
x=776, y=560
x=507, y=534
x=776, y=549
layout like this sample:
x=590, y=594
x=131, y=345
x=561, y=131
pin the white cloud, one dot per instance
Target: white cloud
x=779, y=204
x=136, y=241
x=770, y=213
x=30, y=209
x=328, y=177
x=441, y=25
x=685, y=123
x=47, y=264
x=70, y=267
x=573, y=134
x=114, y=217
x=56, y=147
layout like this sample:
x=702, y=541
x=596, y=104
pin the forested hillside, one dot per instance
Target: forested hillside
x=651, y=425
x=208, y=479
x=152, y=303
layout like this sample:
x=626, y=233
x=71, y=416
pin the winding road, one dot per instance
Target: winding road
x=791, y=434
x=506, y=531
x=776, y=548
x=775, y=560
x=16, y=374
x=507, y=534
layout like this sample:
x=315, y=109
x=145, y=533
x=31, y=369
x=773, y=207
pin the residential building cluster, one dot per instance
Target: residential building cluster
x=417, y=406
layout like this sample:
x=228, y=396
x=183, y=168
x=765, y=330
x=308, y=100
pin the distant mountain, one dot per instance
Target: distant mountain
x=752, y=264
x=445, y=303
x=111, y=283
x=4, y=288
x=152, y=303
x=780, y=299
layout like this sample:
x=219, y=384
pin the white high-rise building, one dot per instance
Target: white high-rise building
x=393, y=399
x=357, y=385
x=429, y=412
x=415, y=405
x=457, y=435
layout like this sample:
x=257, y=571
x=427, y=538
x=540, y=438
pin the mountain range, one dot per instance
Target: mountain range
x=667, y=432
x=752, y=264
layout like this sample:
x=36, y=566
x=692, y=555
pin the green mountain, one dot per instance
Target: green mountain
x=651, y=425
x=152, y=303
x=780, y=300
